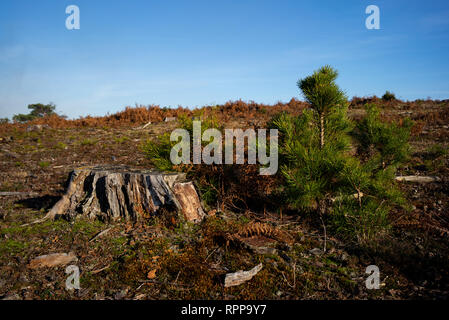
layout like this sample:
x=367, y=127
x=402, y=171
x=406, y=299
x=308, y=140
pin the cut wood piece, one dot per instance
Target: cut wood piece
x=119, y=192
x=52, y=260
x=239, y=277
x=418, y=179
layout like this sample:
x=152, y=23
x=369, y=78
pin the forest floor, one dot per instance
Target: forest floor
x=153, y=260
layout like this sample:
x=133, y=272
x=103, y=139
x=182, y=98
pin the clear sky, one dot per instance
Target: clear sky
x=194, y=53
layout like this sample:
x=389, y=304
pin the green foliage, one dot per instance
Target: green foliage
x=321, y=91
x=158, y=151
x=209, y=192
x=386, y=144
x=436, y=150
x=215, y=182
x=324, y=96
x=307, y=169
x=121, y=139
x=363, y=221
x=355, y=194
x=4, y=120
x=388, y=96
x=308, y=165
x=434, y=157
x=12, y=247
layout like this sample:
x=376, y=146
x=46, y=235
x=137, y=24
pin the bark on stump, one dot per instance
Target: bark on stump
x=118, y=192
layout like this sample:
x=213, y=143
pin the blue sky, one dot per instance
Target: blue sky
x=195, y=53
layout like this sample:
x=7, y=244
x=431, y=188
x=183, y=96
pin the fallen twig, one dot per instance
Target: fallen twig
x=100, y=234
x=210, y=254
x=99, y=270
x=146, y=125
x=294, y=277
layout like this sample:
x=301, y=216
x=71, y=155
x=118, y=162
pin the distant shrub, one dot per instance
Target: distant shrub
x=321, y=174
x=4, y=120
x=388, y=96
x=38, y=110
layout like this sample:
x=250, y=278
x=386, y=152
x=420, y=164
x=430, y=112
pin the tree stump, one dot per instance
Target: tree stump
x=118, y=192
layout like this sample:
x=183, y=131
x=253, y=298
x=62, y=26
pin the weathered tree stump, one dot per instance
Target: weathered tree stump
x=118, y=192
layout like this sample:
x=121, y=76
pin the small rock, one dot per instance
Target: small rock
x=168, y=119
